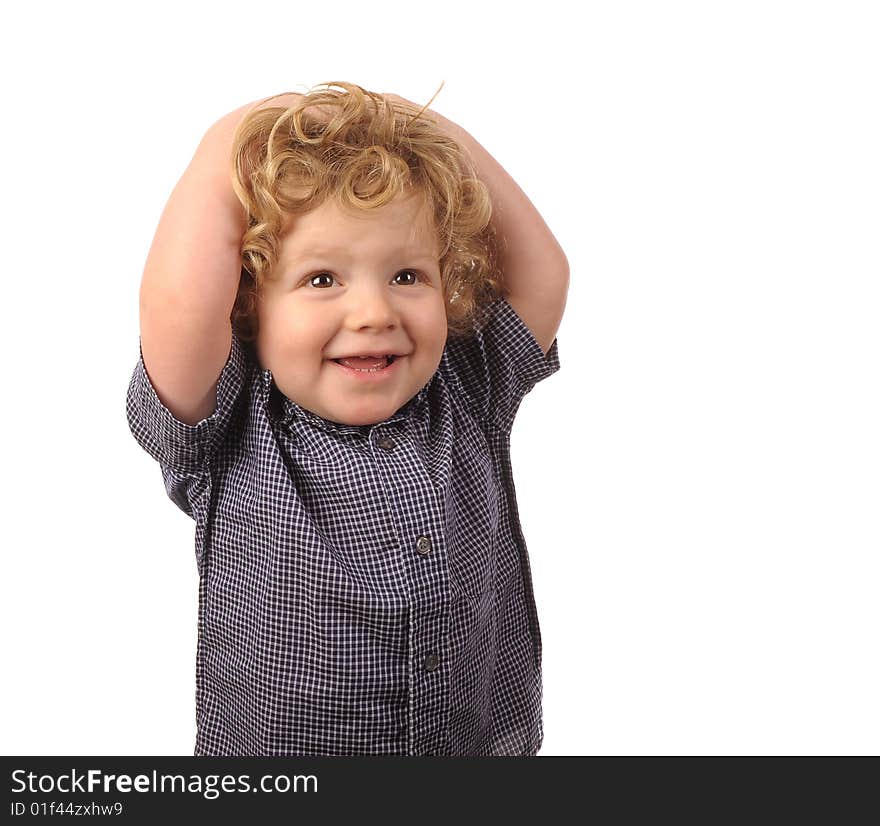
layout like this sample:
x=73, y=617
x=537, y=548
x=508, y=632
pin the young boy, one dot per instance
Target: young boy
x=364, y=585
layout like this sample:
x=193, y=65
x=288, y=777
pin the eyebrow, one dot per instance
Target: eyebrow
x=326, y=253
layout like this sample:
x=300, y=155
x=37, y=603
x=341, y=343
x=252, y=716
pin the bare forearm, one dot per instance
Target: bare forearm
x=529, y=249
x=190, y=280
x=194, y=257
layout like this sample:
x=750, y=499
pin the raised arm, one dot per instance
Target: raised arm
x=533, y=264
x=190, y=281
x=191, y=277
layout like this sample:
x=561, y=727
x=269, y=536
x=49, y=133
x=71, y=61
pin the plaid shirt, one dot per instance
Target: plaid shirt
x=363, y=590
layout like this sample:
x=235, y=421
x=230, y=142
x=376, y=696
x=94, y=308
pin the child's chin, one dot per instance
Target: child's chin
x=375, y=415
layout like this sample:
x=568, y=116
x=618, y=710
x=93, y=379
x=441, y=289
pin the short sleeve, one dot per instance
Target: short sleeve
x=175, y=444
x=498, y=364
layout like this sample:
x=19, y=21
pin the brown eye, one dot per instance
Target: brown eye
x=413, y=273
x=318, y=275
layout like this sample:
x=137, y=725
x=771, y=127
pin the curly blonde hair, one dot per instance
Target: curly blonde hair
x=363, y=149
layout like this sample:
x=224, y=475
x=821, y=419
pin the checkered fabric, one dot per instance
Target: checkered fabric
x=363, y=590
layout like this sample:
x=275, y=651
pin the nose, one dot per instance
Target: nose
x=371, y=305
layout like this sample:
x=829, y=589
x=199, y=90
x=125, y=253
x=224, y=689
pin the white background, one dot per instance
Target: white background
x=698, y=485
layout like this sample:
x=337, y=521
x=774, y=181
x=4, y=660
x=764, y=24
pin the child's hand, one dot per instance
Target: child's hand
x=226, y=125
x=399, y=99
x=214, y=151
x=453, y=130
x=403, y=103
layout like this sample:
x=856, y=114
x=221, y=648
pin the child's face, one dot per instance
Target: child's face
x=347, y=284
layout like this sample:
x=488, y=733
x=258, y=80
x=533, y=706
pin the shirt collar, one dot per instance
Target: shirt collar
x=289, y=410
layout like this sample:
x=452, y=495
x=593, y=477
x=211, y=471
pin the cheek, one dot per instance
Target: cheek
x=431, y=314
x=438, y=326
x=286, y=327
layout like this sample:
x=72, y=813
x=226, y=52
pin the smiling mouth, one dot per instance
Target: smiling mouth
x=389, y=360
x=347, y=362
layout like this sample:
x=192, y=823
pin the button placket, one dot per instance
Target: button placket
x=426, y=575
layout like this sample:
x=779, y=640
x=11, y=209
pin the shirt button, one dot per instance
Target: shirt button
x=387, y=443
x=431, y=662
x=423, y=545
